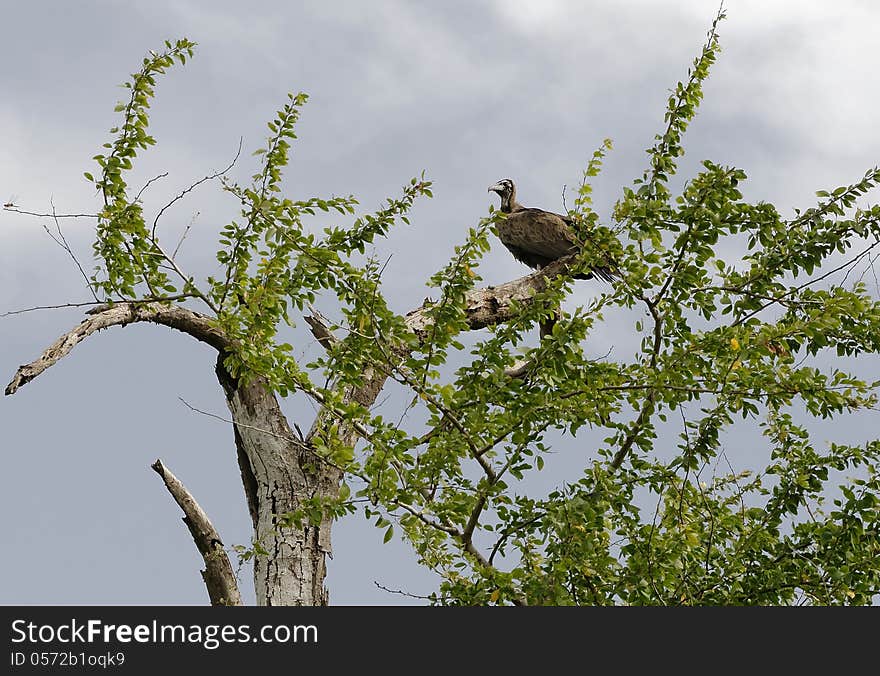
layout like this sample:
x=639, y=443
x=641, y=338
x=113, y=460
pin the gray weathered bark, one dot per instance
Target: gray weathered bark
x=279, y=473
x=218, y=574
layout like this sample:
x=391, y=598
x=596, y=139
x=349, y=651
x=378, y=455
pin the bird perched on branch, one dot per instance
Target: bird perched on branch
x=537, y=237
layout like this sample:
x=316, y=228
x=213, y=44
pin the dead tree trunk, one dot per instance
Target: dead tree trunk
x=279, y=473
x=279, y=468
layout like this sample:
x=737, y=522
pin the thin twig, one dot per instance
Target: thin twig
x=98, y=304
x=262, y=430
x=402, y=593
x=50, y=307
x=183, y=236
x=193, y=186
x=809, y=282
x=15, y=210
x=69, y=251
x=146, y=185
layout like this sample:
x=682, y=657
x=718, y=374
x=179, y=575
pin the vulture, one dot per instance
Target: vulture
x=537, y=238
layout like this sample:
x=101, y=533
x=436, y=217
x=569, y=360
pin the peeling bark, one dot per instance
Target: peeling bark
x=122, y=314
x=279, y=472
x=218, y=574
x=493, y=304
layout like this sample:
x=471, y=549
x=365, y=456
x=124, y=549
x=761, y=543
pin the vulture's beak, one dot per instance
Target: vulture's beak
x=496, y=188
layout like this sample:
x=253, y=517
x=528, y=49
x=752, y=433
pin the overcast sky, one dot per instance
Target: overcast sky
x=470, y=92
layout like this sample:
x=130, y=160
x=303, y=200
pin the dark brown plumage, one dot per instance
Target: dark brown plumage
x=537, y=237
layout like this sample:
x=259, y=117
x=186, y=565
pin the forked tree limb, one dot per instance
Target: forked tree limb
x=218, y=574
x=483, y=307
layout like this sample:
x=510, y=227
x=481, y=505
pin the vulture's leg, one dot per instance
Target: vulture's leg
x=546, y=326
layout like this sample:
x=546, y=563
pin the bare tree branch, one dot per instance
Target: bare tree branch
x=520, y=369
x=197, y=325
x=11, y=208
x=318, y=325
x=484, y=307
x=218, y=574
x=493, y=304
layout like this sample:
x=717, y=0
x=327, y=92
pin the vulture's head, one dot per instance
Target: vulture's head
x=507, y=192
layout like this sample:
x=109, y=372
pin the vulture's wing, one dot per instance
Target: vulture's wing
x=536, y=237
